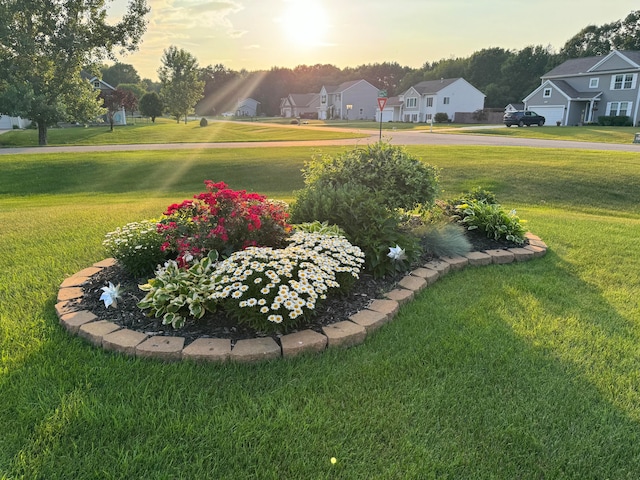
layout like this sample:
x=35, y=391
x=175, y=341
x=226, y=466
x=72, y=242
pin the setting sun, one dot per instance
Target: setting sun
x=306, y=23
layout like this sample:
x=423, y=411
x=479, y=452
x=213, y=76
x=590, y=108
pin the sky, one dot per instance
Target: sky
x=261, y=34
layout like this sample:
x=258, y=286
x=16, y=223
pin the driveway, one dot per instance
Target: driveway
x=394, y=137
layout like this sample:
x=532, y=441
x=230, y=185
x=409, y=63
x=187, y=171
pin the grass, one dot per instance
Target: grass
x=578, y=134
x=508, y=371
x=166, y=131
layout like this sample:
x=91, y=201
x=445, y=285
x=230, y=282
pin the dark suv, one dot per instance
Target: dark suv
x=522, y=118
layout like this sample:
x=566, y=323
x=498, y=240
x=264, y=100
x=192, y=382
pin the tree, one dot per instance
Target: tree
x=181, y=84
x=115, y=100
x=151, y=105
x=120, y=73
x=44, y=45
x=593, y=40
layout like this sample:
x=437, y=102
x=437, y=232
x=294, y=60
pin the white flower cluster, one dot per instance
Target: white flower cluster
x=284, y=284
x=132, y=236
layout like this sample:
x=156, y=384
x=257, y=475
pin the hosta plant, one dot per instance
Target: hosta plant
x=491, y=219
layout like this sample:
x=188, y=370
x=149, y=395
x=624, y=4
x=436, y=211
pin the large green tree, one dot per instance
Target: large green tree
x=119, y=73
x=181, y=83
x=44, y=45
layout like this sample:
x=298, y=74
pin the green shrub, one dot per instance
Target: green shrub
x=396, y=178
x=319, y=227
x=441, y=117
x=204, y=122
x=492, y=220
x=366, y=222
x=137, y=246
x=614, y=121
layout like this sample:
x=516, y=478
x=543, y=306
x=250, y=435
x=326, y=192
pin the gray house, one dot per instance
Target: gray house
x=356, y=100
x=580, y=90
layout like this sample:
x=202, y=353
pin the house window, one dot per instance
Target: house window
x=623, y=81
x=593, y=82
x=446, y=100
x=428, y=118
x=546, y=93
x=324, y=99
x=361, y=111
x=618, y=108
x=96, y=84
x=429, y=101
x=412, y=102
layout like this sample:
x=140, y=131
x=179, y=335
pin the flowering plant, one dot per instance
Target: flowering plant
x=137, y=246
x=275, y=289
x=224, y=220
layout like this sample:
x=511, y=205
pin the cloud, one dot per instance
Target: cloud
x=171, y=16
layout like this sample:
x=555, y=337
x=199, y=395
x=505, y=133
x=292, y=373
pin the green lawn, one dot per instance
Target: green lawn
x=579, y=134
x=165, y=131
x=527, y=370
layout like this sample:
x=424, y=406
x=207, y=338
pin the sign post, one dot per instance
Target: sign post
x=382, y=101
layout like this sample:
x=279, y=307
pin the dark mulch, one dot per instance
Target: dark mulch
x=218, y=324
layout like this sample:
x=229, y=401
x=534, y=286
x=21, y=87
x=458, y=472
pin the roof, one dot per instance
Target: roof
x=433, y=86
x=343, y=86
x=576, y=66
x=573, y=93
x=303, y=99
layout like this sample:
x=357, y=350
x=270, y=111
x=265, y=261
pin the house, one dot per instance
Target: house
x=355, y=100
x=119, y=117
x=580, y=90
x=304, y=105
x=421, y=102
x=247, y=107
x=392, y=111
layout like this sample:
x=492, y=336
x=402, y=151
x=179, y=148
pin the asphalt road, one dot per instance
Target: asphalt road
x=394, y=137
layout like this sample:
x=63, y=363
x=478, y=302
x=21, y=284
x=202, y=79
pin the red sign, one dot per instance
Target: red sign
x=381, y=103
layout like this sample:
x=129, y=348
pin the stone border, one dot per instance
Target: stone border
x=351, y=331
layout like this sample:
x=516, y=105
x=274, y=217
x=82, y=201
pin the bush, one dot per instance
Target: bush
x=444, y=239
x=223, y=220
x=492, y=220
x=441, y=117
x=396, y=178
x=136, y=246
x=365, y=220
x=614, y=121
x=204, y=122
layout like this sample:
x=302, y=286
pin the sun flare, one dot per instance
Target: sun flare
x=306, y=23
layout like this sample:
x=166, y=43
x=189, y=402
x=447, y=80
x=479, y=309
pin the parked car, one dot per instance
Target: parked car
x=522, y=118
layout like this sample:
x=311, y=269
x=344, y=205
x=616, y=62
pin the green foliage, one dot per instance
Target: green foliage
x=137, y=246
x=491, y=219
x=614, y=121
x=443, y=239
x=396, y=178
x=204, y=122
x=181, y=84
x=319, y=227
x=366, y=221
x=441, y=117
x=177, y=294
x=151, y=105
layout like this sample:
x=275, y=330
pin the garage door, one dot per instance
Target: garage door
x=552, y=114
x=5, y=123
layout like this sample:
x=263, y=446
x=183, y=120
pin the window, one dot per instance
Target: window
x=593, y=82
x=618, y=108
x=96, y=84
x=429, y=101
x=324, y=99
x=546, y=93
x=446, y=100
x=428, y=118
x=412, y=102
x=623, y=81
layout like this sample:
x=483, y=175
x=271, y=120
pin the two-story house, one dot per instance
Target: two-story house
x=355, y=100
x=580, y=90
x=422, y=101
